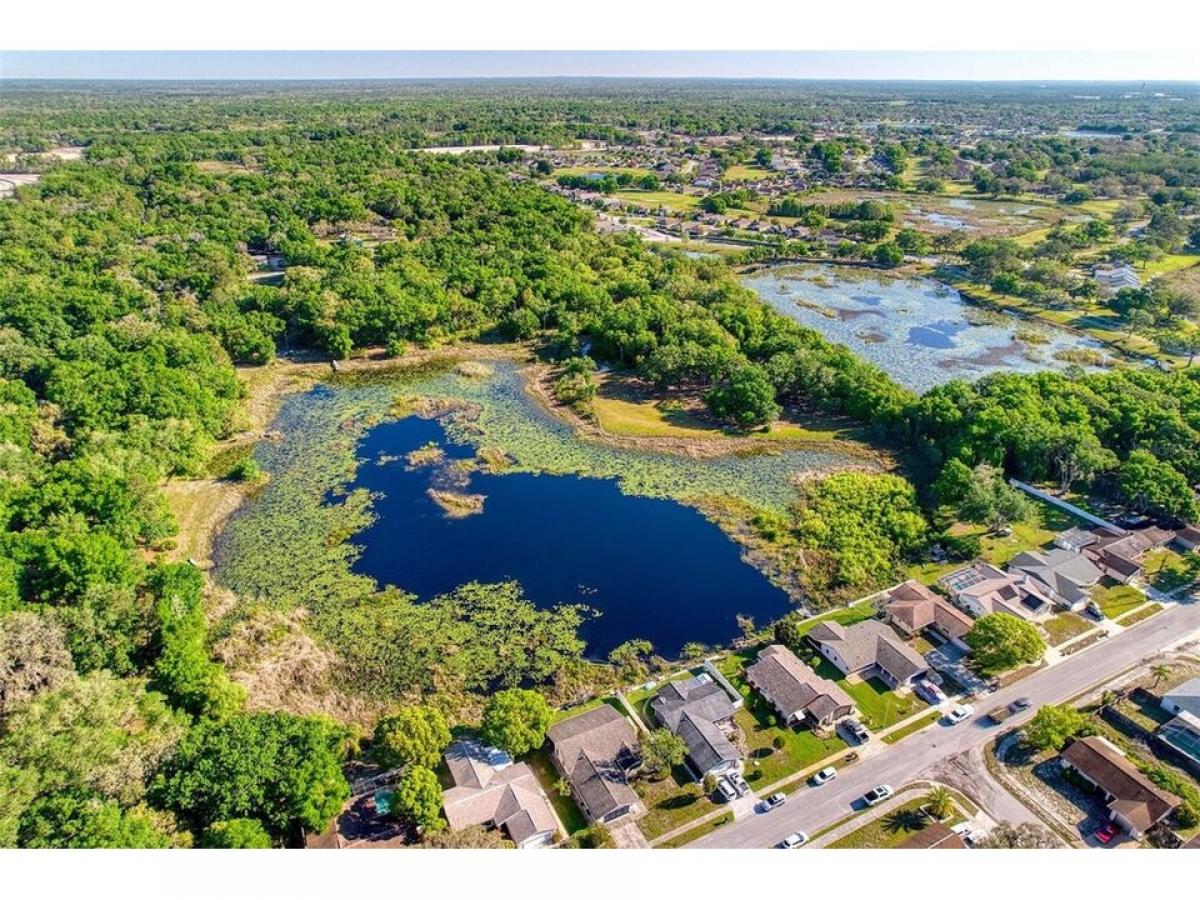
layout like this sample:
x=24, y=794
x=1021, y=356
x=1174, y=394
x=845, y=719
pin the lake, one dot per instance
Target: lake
x=653, y=568
x=920, y=331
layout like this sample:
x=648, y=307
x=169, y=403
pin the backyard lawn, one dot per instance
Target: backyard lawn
x=1168, y=570
x=767, y=765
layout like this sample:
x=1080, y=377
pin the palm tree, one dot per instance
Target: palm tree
x=1161, y=673
x=939, y=802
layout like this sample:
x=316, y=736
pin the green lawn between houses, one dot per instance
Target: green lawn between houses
x=543, y=767
x=671, y=802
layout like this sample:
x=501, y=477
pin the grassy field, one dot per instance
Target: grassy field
x=682, y=840
x=632, y=416
x=748, y=173
x=653, y=199
x=1168, y=570
x=560, y=714
x=800, y=747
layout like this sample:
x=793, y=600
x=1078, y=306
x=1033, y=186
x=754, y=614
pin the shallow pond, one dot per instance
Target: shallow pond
x=919, y=331
x=345, y=510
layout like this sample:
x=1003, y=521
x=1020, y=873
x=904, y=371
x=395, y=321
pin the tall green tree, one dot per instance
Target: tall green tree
x=516, y=720
x=1000, y=642
x=412, y=736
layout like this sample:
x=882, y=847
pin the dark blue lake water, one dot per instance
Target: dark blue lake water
x=653, y=569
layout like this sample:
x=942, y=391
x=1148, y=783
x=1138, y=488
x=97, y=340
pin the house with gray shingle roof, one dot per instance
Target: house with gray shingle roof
x=869, y=649
x=700, y=712
x=1067, y=575
x=597, y=752
x=797, y=692
x=493, y=791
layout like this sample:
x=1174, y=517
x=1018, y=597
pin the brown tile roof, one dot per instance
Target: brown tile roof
x=793, y=688
x=917, y=607
x=1135, y=797
x=934, y=836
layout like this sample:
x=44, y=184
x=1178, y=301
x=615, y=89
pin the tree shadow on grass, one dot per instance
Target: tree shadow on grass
x=904, y=820
x=678, y=802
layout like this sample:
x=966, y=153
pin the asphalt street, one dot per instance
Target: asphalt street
x=813, y=809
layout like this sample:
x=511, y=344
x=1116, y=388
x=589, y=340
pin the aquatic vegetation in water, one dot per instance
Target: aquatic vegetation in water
x=931, y=334
x=457, y=505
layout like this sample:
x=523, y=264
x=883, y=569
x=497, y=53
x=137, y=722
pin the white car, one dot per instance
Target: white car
x=726, y=790
x=878, y=794
x=776, y=799
x=931, y=692
x=963, y=830
x=826, y=774
x=792, y=841
x=959, y=712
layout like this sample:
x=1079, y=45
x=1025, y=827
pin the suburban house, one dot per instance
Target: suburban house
x=797, y=692
x=596, y=752
x=1189, y=537
x=699, y=711
x=1067, y=575
x=869, y=649
x=981, y=588
x=934, y=836
x=913, y=608
x=1113, y=278
x=1075, y=539
x=1182, y=733
x=491, y=790
x=1135, y=803
x=1118, y=554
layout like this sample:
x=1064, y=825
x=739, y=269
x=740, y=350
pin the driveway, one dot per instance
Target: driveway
x=949, y=660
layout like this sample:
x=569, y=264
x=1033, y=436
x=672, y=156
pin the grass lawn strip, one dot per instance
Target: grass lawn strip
x=917, y=724
x=1141, y=615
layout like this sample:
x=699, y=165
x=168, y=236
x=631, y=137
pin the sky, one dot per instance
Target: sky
x=1162, y=65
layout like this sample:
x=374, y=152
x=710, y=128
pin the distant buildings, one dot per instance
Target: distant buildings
x=1115, y=278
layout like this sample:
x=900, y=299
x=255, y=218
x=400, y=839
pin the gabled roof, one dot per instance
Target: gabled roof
x=1135, y=797
x=594, y=750
x=691, y=708
x=508, y=797
x=1067, y=573
x=917, y=607
x=870, y=643
x=792, y=687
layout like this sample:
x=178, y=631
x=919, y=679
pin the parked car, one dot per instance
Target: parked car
x=739, y=783
x=959, y=712
x=963, y=830
x=826, y=774
x=999, y=714
x=792, y=841
x=930, y=692
x=858, y=730
x=1106, y=833
x=878, y=794
x=776, y=799
x=726, y=790
x=1093, y=609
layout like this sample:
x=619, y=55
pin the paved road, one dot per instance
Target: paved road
x=812, y=809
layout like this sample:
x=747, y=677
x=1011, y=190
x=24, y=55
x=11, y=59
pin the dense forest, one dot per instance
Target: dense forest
x=126, y=300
